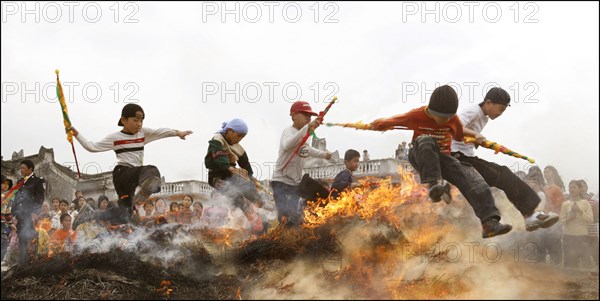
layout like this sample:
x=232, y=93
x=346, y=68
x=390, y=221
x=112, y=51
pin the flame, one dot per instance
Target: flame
x=374, y=197
x=219, y=236
x=164, y=288
x=405, y=207
x=238, y=293
x=45, y=224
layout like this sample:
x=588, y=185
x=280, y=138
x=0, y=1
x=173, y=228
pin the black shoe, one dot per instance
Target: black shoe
x=440, y=191
x=492, y=227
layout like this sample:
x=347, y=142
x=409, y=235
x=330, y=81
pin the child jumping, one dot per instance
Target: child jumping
x=475, y=117
x=128, y=144
x=434, y=126
x=236, y=183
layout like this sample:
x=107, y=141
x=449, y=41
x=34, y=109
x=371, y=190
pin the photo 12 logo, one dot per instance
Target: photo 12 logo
x=91, y=92
x=471, y=92
x=253, y=92
x=453, y=12
x=71, y=12
x=472, y=252
x=271, y=12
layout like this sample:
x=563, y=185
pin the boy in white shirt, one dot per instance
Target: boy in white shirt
x=518, y=192
x=286, y=180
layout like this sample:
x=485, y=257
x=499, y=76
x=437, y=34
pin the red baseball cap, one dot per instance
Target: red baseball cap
x=302, y=107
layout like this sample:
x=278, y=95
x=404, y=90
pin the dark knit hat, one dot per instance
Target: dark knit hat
x=443, y=102
x=498, y=95
x=130, y=110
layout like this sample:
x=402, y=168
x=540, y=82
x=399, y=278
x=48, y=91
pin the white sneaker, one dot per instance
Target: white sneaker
x=540, y=219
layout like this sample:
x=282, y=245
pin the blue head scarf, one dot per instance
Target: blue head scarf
x=237, y=125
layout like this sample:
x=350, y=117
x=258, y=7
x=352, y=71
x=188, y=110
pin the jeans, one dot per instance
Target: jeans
x=501, y=177
x=432, y=166
x=287, y=200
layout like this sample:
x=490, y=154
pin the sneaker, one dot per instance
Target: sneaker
x=440, y=191
x=540, y=219
x=148, y=187
x=492, y=227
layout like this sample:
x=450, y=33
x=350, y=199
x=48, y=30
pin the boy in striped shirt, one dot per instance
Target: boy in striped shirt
x=128, y=144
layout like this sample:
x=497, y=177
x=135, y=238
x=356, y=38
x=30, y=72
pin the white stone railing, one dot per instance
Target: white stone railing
x=375, y=168
x=205, y=189
x=171, y=188
x=184, y=187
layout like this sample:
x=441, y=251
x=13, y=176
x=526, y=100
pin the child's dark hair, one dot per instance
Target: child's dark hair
x=351, y=154
x=557, y=179
x=8, y=182
x=63, y=201
x=443, y=102
x=102, y=198
x=63, y=216
x=28, y=163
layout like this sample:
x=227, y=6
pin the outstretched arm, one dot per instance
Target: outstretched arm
x=105, y=145
x=384, y=124
x=156, y=134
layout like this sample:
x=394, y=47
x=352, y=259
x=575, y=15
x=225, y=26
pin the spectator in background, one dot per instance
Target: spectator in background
x=26, y=205
x=102, y=203
x=55, y=207
x=576, y=214
x=343, y=180
x=366, y=157
x=521, y=174
x=593, y=226
x=198, y=209
x=62, y=240
x=401, y=151
x=173, y=212
x=91, y=202
x=160, y=207
x=64, y=208
x=554, y=191
x=149, y=209
x=185, y=211
x=45, y=208
x=75, y=203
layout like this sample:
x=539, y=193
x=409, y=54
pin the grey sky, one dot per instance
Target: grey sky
x=380, y=59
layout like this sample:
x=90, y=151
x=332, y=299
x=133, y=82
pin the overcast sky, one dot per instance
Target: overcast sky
x=182, y=61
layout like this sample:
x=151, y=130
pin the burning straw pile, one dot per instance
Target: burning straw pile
x=377, y=241
x=121, y=274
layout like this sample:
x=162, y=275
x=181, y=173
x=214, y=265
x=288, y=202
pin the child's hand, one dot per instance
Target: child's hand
x=239, y=171
x=182, y=134
x=314, y=124
x=480, y=138
x=379, y=125
x=72, y=129
x=328, y=156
